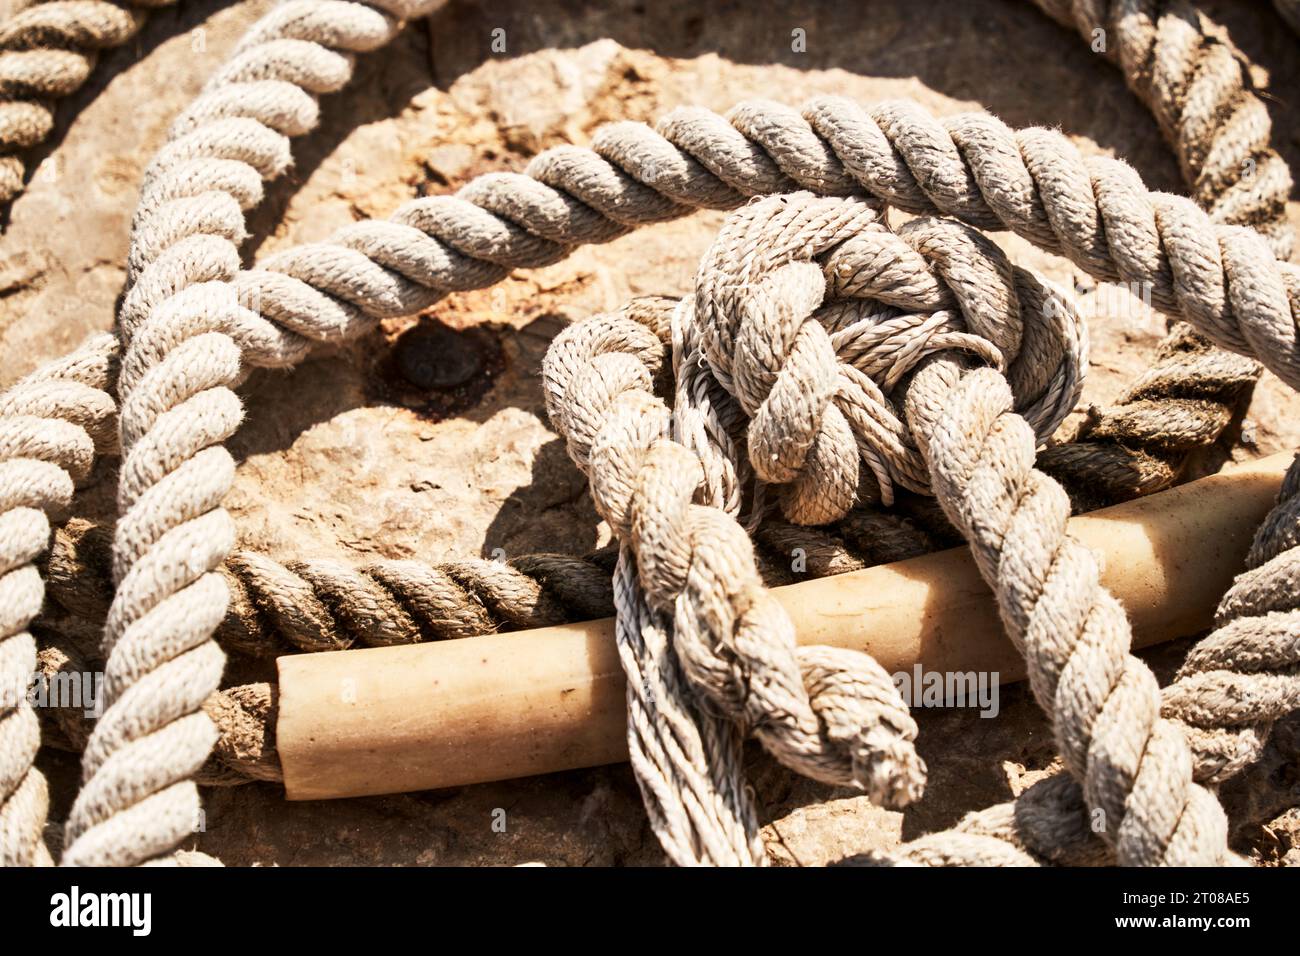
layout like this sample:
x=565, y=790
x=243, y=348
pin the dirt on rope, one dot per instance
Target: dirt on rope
x=336, y=464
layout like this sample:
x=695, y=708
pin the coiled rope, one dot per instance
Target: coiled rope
x=187, y=301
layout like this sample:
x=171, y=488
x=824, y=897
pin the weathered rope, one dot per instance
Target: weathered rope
x=244, y=715
x=1230, y=720
x=52, y=425
x=814, y=413
x=1103, y=702
x=1246, y=674
x=1179, y=65
x=1231, y=688
x=138, y=800
x=167, y=188
x=46, y=53
x=818, y=406
x=1156, y=238
x=1138, y=445
x=1183, y=68
x=963, y=847
x=831, y=715
x=752, y=296
x=973, y=167
x=321, y=604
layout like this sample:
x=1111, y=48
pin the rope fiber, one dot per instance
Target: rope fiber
x=823, y=356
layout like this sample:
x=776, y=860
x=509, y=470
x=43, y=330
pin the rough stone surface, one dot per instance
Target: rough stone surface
x=355, y=455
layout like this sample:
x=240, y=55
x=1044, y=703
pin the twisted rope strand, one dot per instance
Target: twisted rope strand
x=1034, y=182
x=46, y=53
x=1246, y=674
x=321, y=604
x=1178, y=63
x=1185, y=401
x=1103, y=702
x=52, y=425
x=138, y=800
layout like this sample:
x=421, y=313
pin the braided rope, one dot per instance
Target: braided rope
x=244, y=715
x=46, y=53
x=1103, y=702
x=971, y=167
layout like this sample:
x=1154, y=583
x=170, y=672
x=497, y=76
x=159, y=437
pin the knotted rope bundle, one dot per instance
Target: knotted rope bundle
x=814, y=389
x=188, y=296
x=832, y=715
x=754, y=304
x=599, y=376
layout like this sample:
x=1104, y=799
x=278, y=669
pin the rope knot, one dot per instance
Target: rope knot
x=810, y=311
x=832, y=716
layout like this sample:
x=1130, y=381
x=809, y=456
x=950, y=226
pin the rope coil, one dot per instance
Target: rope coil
x=191, y=316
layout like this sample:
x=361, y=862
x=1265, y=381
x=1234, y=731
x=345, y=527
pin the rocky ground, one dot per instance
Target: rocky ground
x=390, y=448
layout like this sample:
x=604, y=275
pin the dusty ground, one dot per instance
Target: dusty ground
x=348, y=456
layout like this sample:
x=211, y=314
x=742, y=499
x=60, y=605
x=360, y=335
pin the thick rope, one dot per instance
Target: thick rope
x=322, y=604
x=1166, y=55
x=1231, y=688
x=1182, y=67
x=816, y=393
x=1246, y=674
x=990, y=846
x=175, y=175
x=138, y=801
x=1239, y=684
x=598, y=376
x=46, y=53
x=1153, y=250
x=1103, y=703
x=832, y=715
x=52, y=425
x=244, y=715
x=972, y=167
x=1183, y=402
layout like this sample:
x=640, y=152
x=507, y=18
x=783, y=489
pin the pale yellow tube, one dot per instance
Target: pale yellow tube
x=423, y=716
